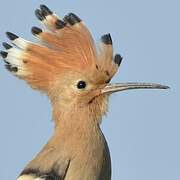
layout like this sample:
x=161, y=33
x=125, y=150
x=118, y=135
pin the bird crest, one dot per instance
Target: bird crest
x=66, y=45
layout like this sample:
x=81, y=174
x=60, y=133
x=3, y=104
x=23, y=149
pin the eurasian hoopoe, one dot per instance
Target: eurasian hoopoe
x=67, y=67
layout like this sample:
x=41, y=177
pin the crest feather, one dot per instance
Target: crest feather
x=67, y=44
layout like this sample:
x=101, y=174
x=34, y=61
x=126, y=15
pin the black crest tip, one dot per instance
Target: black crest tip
x=6, y=62
x=36, y=31
x=11, y=36
x=118, y=59
x=11, y=68
x=6, y=45
x=60, y=24
x=45, y=10
x=106, y=39
x=72, y=19
x=39, y=14
x=75, y=17
x=3, y=54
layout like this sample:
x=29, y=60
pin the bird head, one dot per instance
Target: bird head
x=66, y=65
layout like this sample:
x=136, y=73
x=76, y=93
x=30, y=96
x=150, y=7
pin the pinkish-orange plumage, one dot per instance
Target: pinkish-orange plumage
x=63, y=48
x=67, y=66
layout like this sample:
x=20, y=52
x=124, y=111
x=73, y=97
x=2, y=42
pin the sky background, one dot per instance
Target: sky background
x=143, y=126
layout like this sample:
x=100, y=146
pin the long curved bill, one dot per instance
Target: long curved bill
x=111, y=88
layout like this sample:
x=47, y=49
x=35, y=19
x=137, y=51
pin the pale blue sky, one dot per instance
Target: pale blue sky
x=143, y=126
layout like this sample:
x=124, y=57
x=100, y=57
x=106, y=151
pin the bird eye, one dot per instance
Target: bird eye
x=81, y=84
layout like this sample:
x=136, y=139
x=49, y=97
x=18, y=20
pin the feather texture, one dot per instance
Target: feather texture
x=68, y=46
x=65, y=55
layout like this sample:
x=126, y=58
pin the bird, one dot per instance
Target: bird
x=66, y=65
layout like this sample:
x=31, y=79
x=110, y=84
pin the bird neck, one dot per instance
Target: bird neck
x=77, y=116
x=72, y=119
x=76, y=128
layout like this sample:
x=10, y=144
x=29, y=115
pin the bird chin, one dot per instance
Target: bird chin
x=99, y=104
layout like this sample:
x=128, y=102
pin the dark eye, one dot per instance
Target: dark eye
x=81, y=84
